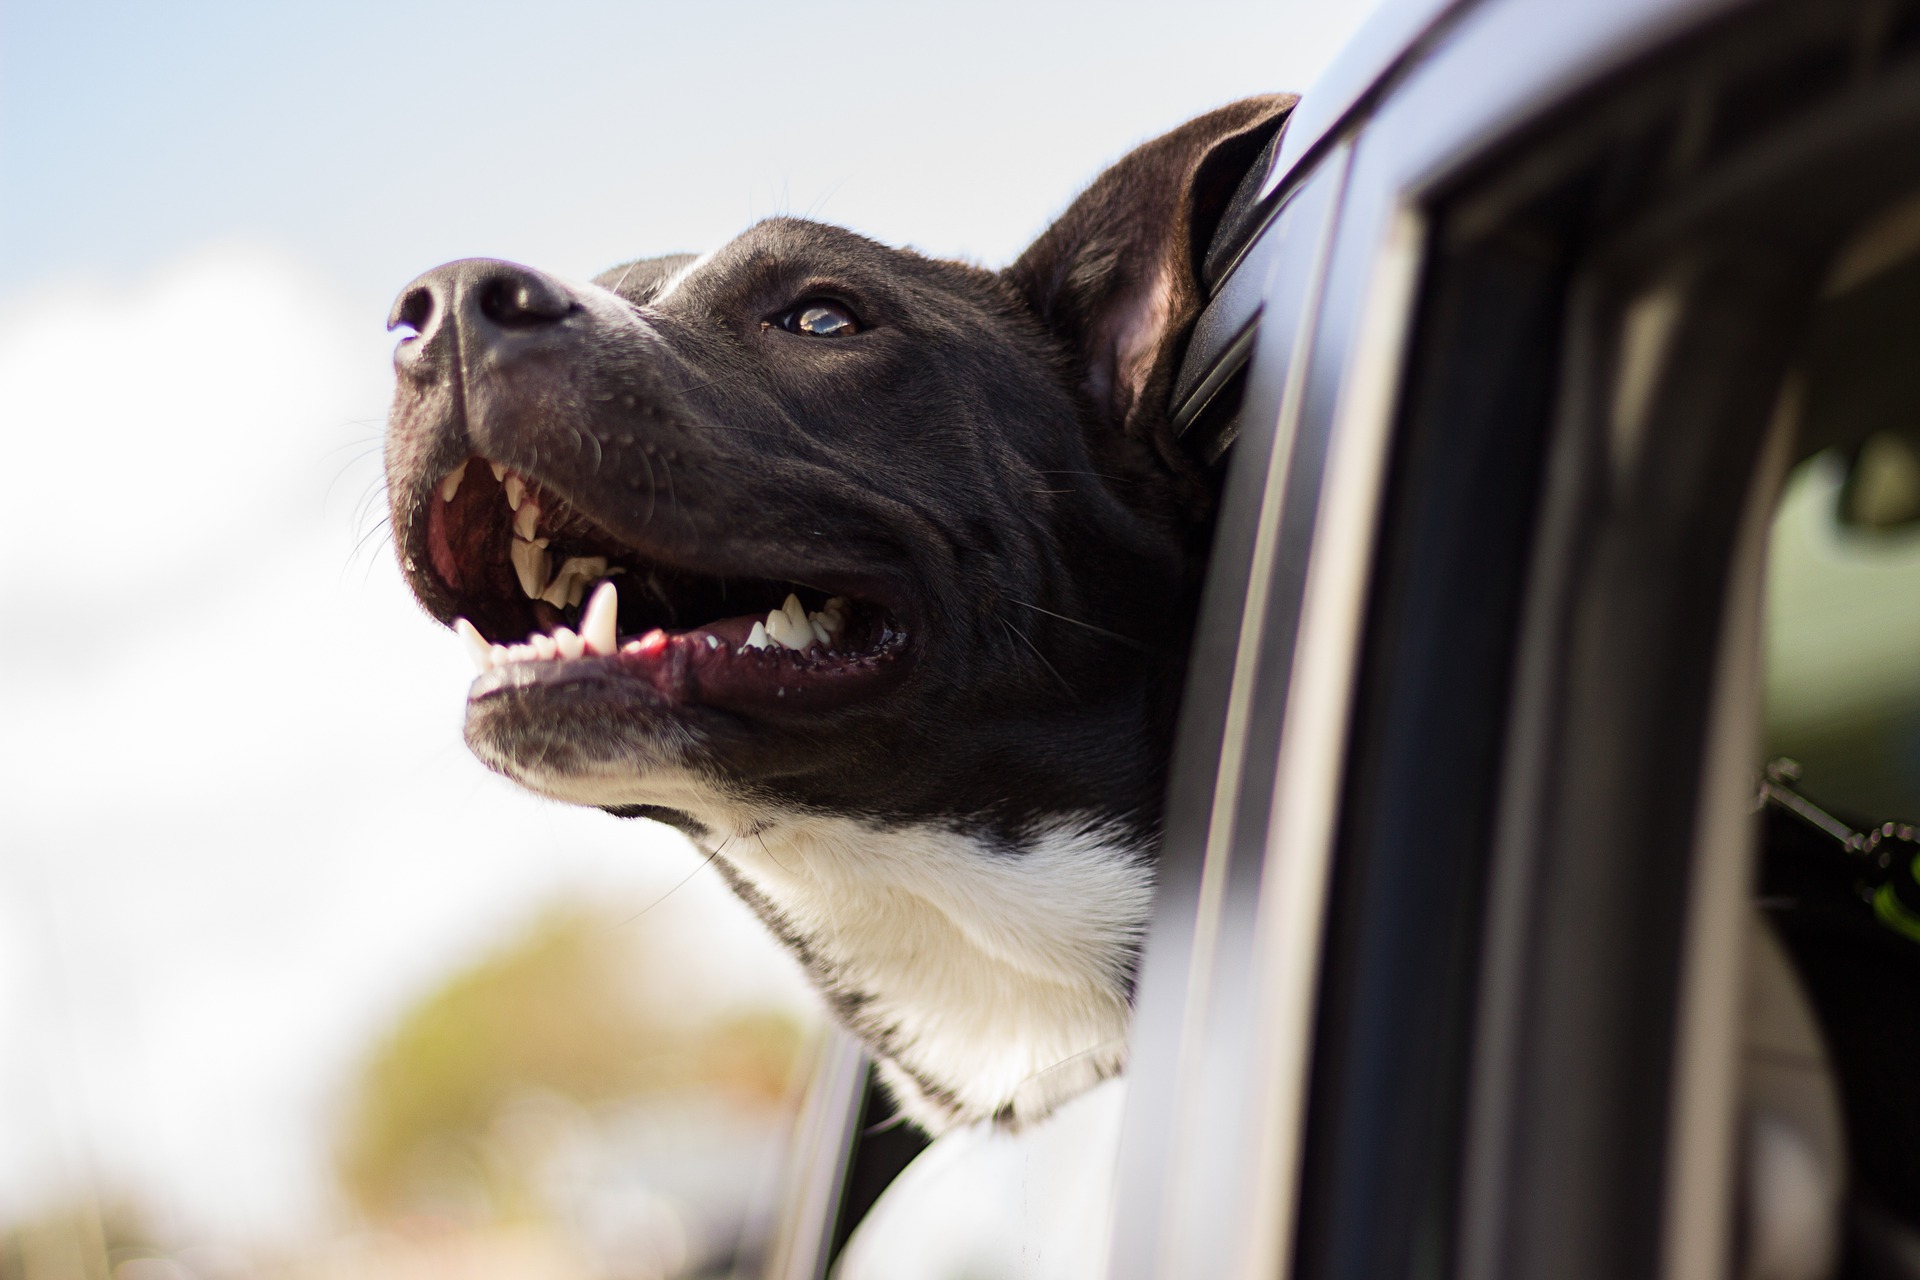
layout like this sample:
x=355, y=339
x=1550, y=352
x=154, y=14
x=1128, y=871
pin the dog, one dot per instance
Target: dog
x=872, y=573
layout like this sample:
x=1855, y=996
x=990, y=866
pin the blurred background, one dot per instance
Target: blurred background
x=289, y=986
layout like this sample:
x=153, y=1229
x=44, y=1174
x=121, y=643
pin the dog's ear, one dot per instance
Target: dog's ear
x=1116, y=279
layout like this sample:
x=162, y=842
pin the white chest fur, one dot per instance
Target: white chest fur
x=995, y=979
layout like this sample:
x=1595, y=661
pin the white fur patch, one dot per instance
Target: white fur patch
x=995, y=977
x=1002, y=973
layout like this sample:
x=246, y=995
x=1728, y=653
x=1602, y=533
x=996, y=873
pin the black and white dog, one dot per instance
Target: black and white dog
x=872, y=573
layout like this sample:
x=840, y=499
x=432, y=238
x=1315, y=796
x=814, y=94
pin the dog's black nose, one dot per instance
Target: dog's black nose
x=484, y=301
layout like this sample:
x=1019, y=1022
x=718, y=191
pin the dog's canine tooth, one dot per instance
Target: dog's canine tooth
x=516, y=492
x=530, y=564
x=569, y=644
x=476, y=643
x=450, y=483
x=756, y=638
x=499, y=469
x=598, y=624
x=796, y=614
x=526, y=520
x=783, y=632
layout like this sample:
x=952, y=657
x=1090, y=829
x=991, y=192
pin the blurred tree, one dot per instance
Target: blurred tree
x=580, y=1006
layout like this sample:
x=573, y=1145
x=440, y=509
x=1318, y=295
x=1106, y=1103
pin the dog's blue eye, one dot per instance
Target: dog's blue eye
x=822, y=320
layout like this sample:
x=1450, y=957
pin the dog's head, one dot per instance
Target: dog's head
x=813, y=522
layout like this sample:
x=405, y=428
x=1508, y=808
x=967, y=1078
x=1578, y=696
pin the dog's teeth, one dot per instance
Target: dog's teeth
x=756, y=638
x=713, y=642
x=782, y=631
x=476, y=643
x=450, y=483
x=570, y=583
x=818, y=622
x=543, y=645
x=516, y=492
x=526, y=519
x=597, y=624
x=499, y=469
x=498, y=654
x=569, y=644
x=803, y=631
x=530, y=564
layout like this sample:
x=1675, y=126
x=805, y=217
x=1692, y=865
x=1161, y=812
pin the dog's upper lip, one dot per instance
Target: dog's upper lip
x=818, y=564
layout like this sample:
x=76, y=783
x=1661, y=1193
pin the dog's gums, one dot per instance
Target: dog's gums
x=576, y=621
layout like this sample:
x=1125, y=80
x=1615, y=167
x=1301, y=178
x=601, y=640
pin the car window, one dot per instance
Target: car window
x=1839, y=878
x=1843, y=628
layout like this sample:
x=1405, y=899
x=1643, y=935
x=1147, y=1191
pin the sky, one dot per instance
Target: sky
x=238, y=832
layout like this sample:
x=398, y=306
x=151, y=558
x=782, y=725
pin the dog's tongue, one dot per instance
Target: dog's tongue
x=732, y=631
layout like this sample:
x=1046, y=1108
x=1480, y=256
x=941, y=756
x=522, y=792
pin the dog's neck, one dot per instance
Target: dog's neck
x=992, y=979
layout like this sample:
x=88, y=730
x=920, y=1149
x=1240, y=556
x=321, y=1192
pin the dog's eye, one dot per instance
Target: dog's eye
x=821, y=319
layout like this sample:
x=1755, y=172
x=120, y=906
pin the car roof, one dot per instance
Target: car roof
x=1604, y=35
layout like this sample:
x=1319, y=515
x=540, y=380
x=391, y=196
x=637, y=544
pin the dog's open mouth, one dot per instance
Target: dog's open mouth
x=544, y=593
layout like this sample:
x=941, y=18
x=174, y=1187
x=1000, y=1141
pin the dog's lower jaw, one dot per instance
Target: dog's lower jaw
x=991, y=980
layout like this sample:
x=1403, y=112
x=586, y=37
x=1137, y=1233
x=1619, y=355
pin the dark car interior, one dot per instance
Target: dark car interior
x=1841, y=854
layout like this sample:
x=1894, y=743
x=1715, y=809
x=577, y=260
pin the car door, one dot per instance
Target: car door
x=1449, y=970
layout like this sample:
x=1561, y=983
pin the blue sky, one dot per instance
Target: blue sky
x=375, y=140
x=204, y=212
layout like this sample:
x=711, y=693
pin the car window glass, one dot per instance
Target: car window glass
x=1843, y=631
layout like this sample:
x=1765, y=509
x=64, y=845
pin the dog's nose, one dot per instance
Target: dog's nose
x=485, y=302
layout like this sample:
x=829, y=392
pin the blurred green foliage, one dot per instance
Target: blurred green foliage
x=580, y=1010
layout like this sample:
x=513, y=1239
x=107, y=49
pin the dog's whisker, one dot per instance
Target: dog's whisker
x=761, y=837
x=623, y=278
x=358, y=442
x=678, y=886
x=653, y=486
x=1097, y=474
x=372, y=539
x=341, y=474
x=1106, y=1046
x=1097, y=630
x=673, y=498
x=1071, y=691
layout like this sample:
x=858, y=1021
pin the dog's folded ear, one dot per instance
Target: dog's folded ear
x=1116, y=279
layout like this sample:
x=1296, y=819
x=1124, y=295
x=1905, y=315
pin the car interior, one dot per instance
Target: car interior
x=1836, y=1121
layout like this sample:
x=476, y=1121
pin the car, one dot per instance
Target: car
x=1560, y=370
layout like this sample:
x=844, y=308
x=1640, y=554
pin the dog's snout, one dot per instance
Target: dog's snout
x=479, y=302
